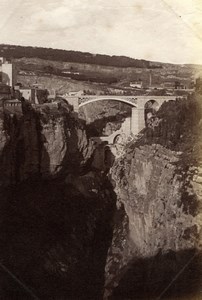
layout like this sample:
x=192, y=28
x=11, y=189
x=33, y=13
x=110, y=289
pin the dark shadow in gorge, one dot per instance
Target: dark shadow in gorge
x=151, y=278
x=96, y=127
x=53, y=238
x=55, y=242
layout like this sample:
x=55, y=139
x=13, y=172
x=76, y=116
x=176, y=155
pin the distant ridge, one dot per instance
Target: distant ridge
x=14, y=51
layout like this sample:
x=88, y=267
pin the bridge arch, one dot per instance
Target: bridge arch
x=117, y=138
x=127, y=100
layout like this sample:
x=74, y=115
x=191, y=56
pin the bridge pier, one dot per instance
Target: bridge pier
x=74, y=101
x=137, y=120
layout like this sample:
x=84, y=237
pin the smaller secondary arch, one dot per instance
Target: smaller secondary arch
x=119, y=138
x=152, y=104
x=116, y=138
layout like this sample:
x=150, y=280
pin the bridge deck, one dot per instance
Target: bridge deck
x=131, y=100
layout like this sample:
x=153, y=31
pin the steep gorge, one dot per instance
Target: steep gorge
x=68, y=230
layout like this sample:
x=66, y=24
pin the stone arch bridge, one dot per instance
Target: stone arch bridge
x=139, y=104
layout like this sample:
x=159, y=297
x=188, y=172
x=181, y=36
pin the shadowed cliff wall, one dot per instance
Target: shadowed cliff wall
x=158, y=185
x=41, y=142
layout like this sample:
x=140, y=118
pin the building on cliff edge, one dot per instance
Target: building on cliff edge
x=8, y=74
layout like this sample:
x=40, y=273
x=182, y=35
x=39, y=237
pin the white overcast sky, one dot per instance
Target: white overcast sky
x=158, y=30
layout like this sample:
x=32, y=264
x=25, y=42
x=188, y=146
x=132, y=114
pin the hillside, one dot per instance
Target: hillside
x=96, y=77
x=12, y=51
x=73, y=70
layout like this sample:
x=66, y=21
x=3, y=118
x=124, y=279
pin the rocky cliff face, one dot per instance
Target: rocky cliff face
x=55, y=220
x=158, y=183
x=58, y=209
x=41, y=142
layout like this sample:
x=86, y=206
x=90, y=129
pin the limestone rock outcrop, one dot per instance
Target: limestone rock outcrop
x=43, y=141
x=55, y=220
x=159, y=221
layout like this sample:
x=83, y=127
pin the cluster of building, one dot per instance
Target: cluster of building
x=170, y=85
x=12, y=92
